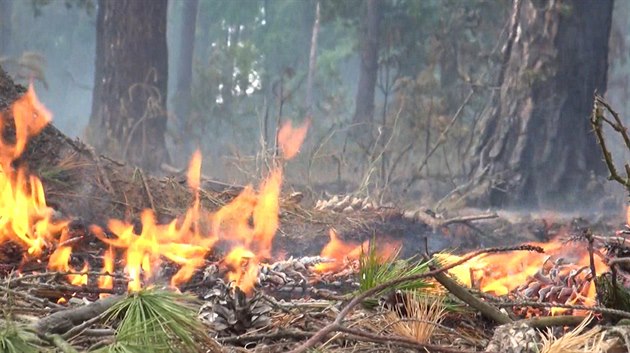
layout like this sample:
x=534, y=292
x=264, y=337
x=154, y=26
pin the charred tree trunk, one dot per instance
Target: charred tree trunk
x=5, y=26
x=184, y=73
x=535, y=147
x=364, y=105
x=128, y=118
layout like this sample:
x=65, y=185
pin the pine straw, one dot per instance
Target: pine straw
x=576, y=341
x=417, y=317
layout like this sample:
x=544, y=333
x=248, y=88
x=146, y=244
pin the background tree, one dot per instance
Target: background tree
x=129, y=113
x=369, y=52
x=534, y=146
x=182, y=97
x=5, y=26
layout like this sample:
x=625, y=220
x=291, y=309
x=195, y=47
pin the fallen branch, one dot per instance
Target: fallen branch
x=464, y=295
x=597, y=309
x=550, y=321
x=60, y=343
x=437, y=223
x=63, y=321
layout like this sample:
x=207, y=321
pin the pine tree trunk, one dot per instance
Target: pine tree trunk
x=535, y=147
x=182, y=98
x=364, y=104
x=129, y=102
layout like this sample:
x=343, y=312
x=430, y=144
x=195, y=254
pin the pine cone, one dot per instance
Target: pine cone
x=230, y=312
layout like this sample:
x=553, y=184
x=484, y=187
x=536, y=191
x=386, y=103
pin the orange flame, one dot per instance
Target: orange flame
x=341, y=252
x=26, y=219
x=502, y=273
x=244, y=269
x=106, y=281
x=248, y=223
x=290, y=139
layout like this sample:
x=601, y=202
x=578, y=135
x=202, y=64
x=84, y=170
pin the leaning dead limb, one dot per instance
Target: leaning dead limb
x=337, y=324
x=464, y=295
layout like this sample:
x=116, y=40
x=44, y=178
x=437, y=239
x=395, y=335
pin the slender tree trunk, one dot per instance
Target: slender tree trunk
x=535, y=147
x=312, y=63
x=364, y=105
x=128, y=118
x=6, y=10
x=182, y=98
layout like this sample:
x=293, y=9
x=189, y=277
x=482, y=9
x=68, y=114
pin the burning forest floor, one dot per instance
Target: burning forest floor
x=98, y=256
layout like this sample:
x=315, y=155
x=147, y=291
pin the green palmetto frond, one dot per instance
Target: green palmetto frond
x=157, y=321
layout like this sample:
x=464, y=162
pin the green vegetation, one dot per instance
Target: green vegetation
x=156, y=321
x=15, y=339
x=374, y=269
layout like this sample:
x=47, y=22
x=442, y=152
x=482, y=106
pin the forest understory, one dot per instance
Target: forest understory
x=341, y=275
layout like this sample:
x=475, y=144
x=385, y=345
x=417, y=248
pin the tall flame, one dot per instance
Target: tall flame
x=24, y=216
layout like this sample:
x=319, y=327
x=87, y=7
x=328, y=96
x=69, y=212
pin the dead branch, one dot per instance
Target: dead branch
x=597, y=120
x=486, y=309
x=60, y=343
x=99, y=168
x=147, y=190
x=549, y=321
x=597, y=309
x=63, y=321
x=441, y=138
x=437, y=223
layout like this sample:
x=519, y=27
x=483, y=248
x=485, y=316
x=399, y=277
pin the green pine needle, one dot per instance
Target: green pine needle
x=14, y=339
x=163, y=321
x=375, y=270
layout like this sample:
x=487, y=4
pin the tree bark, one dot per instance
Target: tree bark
x=364, y=105
x=535, y=148
x=182, y=98
x=5, y=26
x=129, y=113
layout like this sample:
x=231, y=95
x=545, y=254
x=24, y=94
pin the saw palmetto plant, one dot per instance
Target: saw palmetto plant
x=157, y=321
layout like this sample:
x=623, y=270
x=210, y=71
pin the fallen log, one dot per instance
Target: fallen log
x=65, y=320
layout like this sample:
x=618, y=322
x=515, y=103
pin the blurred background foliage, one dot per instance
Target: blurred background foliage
x=250, y=68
